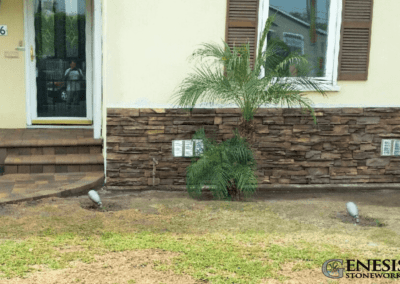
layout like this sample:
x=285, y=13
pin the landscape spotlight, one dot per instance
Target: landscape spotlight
x=352, y=210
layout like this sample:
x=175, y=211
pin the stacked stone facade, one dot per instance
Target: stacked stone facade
x=344, y=147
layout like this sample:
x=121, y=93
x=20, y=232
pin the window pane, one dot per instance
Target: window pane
x=302, y=26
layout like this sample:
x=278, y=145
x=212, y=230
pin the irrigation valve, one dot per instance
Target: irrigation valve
x=352, y=210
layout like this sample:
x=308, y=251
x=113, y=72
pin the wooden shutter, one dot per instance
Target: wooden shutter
x=241, y=24
x=355, y=39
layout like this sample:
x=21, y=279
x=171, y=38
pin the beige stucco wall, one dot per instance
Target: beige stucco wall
x=381, y=87
x=147, y=43
x=12, y=74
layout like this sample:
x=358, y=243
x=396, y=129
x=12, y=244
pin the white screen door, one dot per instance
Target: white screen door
x=59, y=47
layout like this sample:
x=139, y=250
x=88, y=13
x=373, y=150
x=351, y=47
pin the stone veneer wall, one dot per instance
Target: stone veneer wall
x=343, y=148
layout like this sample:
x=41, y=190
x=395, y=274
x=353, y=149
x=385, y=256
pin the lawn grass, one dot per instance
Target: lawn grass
x=217, y=241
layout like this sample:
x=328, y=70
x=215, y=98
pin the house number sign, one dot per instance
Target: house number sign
x=3, y=30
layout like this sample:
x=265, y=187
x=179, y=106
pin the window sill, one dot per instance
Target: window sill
x=325, y=88
x=326, y=85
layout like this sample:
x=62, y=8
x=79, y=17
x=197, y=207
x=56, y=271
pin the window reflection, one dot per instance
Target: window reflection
x=302, y=25
x=60, y=37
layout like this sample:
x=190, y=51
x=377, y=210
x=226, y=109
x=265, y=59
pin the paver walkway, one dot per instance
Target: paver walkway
x=25, y=187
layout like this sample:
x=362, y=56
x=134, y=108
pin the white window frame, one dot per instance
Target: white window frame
x=329, y=82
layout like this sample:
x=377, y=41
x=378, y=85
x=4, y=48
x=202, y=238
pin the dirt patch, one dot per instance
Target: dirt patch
x=363, y=221
x=106, y=206
x=137, y=267
x=5, y=209
x=33, y=203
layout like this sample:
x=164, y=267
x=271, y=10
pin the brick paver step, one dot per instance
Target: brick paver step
x=43, y=142
x=50, y=151
x=53, y=150
x=69, y=159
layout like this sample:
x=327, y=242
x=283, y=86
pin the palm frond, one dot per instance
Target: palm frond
x=204, y=84
x=245, y=178
x=231, y=80
x=259, y=59
x=221, y=164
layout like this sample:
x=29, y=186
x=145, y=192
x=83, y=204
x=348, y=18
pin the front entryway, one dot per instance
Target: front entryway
x=60, y=61
x=41, y=163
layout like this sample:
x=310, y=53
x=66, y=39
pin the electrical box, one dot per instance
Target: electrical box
x=396, y=147
x=390, y=147
x=386, y=147
x=187, y=148
x=198, y=147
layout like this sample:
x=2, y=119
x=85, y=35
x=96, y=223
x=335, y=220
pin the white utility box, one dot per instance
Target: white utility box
x=187, y=148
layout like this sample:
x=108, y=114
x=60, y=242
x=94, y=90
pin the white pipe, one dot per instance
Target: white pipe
x=97, y=69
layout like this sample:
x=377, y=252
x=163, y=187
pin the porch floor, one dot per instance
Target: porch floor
x=44, y=137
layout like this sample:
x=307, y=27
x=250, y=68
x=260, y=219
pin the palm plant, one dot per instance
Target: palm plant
x=228, y=168
x=237, y=82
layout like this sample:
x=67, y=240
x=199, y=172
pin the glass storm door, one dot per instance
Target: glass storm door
x=59, y=54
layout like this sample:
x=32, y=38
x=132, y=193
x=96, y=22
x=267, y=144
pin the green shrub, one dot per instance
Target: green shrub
x=227, y=168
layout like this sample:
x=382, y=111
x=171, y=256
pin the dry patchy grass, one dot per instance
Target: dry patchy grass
x=167, y=237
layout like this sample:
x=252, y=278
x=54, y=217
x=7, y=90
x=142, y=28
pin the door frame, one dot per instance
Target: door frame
x=93, y=78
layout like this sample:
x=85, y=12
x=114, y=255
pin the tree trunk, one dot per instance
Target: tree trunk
x=247, y=130
x=233, y=191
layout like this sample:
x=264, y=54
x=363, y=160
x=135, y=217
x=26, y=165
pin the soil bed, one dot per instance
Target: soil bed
x=363, y=221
